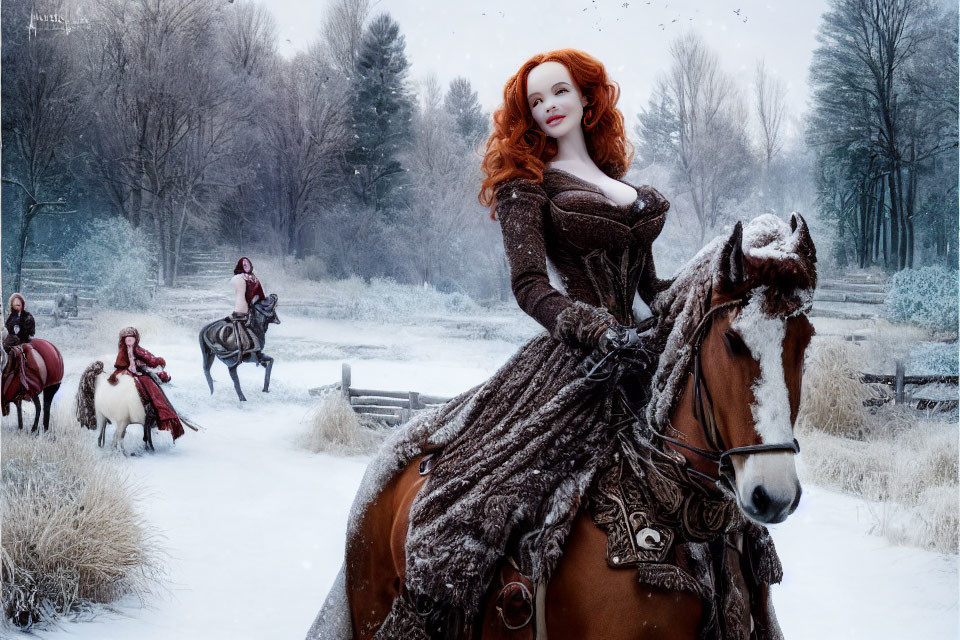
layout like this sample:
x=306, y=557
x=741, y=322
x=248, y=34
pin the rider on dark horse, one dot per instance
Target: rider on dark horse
x=20, y=328
x=133, y=360
x=249, y=291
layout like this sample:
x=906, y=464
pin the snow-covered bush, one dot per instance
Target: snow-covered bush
x=933, y=358
x=926, y=297
x=335, y=428
x=116, y=259
x=71, y=536
x=832, y=395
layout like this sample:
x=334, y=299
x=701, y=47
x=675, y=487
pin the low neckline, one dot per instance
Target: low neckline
x=602, y=192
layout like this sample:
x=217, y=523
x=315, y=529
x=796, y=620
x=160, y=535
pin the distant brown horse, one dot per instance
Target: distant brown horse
x=739, y=395
x=32, y=368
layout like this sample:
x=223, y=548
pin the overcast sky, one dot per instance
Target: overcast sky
x=487, y=40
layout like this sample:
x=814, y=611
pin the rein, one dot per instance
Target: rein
x=717, y=453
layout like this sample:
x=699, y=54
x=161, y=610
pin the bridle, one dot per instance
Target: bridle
x=717, y=453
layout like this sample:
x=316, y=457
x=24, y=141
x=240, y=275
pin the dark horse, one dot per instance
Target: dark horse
x=219, y=339
x=38, y=366
x=728, y=386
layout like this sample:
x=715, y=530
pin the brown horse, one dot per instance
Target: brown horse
x=31, y=368
x=738, y=396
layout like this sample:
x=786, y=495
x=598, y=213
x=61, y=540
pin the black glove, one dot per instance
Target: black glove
x=617, y=337
x=617, y=346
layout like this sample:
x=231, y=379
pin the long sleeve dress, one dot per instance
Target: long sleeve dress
x=519, y=450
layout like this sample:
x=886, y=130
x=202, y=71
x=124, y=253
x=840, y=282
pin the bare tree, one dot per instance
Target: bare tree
x=304, y=133
x=770, y=104
x=41, y=116
x=342, y=31
x=869, y=119
x=251, y=35
x=698, y=117
x=167, y=110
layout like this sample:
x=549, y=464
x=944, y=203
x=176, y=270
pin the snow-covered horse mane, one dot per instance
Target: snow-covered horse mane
x=779, y=260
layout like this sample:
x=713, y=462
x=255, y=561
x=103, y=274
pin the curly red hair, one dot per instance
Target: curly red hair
x=517, y=148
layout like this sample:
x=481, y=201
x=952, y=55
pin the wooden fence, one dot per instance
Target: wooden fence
x=900, y=380
x=390, y=407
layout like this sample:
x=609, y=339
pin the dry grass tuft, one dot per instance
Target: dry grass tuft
x=893, y=456
x=71, y=536
x=911, y=471
x=335, y=428
x=832, y=396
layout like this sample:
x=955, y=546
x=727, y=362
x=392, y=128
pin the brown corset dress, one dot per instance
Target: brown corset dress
x=519, y=450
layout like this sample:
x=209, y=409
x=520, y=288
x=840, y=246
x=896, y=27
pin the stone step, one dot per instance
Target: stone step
x=208, y=272
x=853, y=286
x=822, y=312
x=849, y=296
x=865, y=278
x=48, y=299
x=35, y=288
x=204, y=280
x=63, y=280
x=45, y=271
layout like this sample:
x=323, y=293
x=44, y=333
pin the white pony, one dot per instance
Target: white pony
x=99, y=402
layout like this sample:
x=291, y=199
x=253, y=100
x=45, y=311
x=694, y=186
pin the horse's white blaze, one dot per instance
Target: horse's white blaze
x=764, y=336
x=777, y=472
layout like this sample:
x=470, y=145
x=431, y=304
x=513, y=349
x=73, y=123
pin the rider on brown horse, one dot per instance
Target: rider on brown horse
x=133, y=360
x=20, y=327
x=35, y=366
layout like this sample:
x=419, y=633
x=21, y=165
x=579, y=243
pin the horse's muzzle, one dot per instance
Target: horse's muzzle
x=769, y=507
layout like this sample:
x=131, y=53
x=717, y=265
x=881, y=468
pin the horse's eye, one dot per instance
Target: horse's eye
x=735, y=344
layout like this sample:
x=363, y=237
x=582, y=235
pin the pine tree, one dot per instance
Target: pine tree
x=382, y=112
x=461, y=103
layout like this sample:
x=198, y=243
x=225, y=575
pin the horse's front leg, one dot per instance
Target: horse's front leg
x=236, y=382
x=36, y=413
x=19, y=415
x=267, y=363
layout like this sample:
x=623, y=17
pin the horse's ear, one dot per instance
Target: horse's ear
x=804, y=243
x=732, y=272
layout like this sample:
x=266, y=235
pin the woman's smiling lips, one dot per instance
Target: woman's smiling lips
x=554, y=119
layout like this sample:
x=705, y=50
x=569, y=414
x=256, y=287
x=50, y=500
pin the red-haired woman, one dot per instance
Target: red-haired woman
x=133, y=360
x=515, y=455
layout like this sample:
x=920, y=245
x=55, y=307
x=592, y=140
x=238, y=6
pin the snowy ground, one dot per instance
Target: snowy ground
x=253, y=527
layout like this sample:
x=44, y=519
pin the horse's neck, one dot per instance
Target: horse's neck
x=259, y=325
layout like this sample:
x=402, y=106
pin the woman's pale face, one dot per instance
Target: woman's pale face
x=17, y=305
x=246, y=266
x=129, y=340
x=554, y=99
